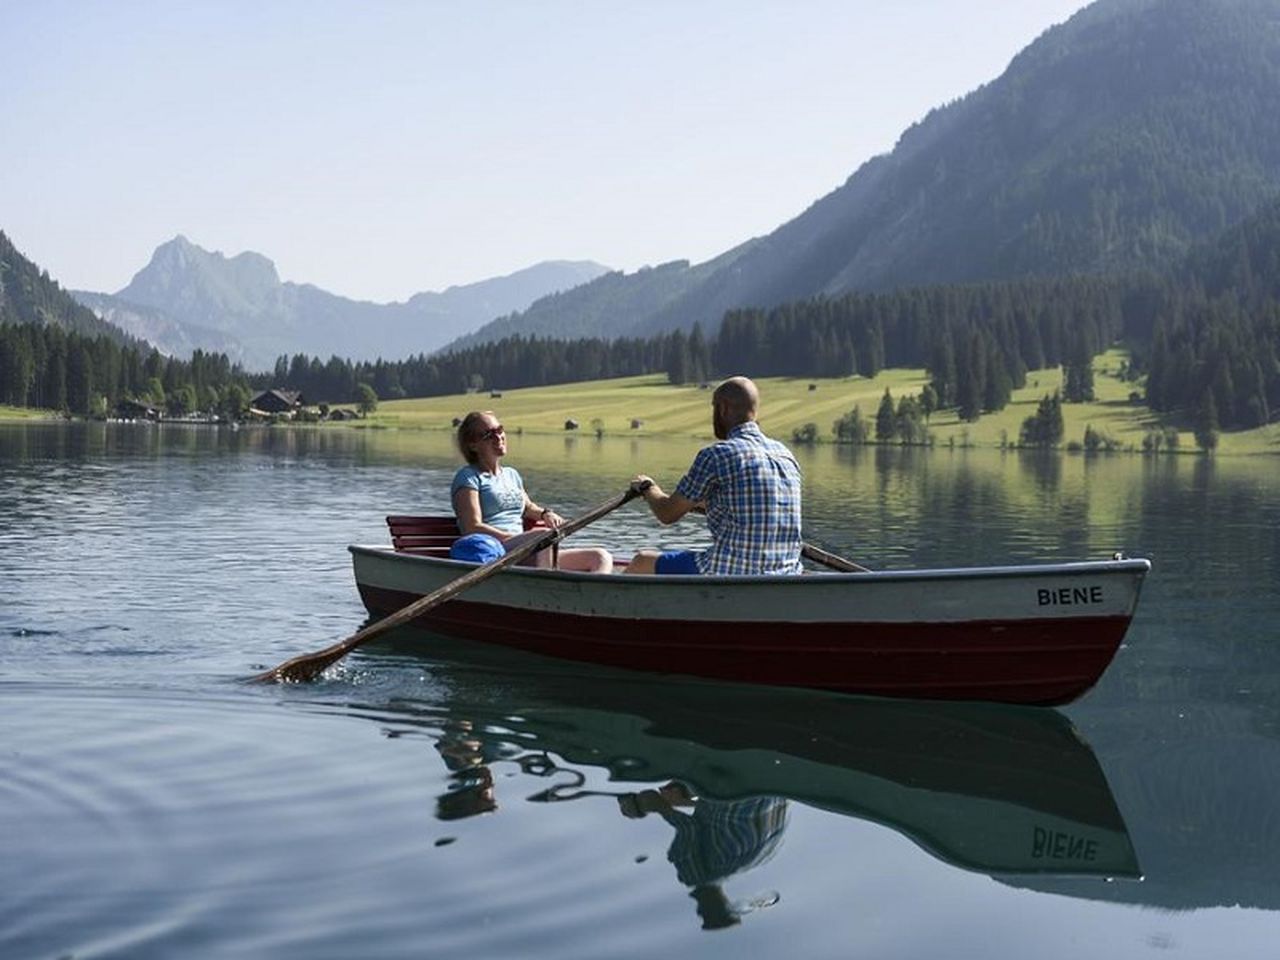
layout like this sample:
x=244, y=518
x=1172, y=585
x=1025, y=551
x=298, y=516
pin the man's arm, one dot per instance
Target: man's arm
x=668, y=508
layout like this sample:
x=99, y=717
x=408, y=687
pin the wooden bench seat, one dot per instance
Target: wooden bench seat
x=431, y=535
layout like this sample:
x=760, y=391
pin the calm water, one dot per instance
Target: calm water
x=435, y=799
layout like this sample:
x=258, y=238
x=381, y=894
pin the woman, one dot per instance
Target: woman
x=490, y=498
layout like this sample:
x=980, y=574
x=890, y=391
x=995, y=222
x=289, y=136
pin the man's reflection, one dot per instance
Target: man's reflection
x=713, y=841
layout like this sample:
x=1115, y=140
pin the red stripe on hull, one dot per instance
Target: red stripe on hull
x=1031, y=662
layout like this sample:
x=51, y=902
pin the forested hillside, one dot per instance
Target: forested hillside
x=1215, y=341
x=1206, y=331
x=57, y=355
x=29, y=295
x=1115, y=142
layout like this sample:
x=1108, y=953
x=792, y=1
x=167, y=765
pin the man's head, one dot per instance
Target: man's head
x=734, y=402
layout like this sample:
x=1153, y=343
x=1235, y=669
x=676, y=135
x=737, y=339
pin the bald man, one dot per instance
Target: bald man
x=749, y=486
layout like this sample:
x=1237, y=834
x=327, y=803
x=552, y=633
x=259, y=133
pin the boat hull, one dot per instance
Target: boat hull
x=1035, y=634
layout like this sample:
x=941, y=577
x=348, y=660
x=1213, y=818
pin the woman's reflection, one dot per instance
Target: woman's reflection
x=470, y=779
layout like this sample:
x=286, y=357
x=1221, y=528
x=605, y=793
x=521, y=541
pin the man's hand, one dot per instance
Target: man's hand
x=668, y=509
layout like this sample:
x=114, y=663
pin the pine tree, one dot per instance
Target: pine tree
x=886, y=421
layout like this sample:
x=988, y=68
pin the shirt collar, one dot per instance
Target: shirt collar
x=750, y=427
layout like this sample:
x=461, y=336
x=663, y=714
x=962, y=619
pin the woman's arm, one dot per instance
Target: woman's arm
x=536, y=514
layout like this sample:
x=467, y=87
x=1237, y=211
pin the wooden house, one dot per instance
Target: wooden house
x=277, y=401
x=135, y=410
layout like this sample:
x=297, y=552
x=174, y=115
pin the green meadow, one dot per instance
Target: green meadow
x=648, y=405
x=24, y=413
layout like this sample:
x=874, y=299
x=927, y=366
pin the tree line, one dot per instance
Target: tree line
x=1207, y=339
x=49, y=367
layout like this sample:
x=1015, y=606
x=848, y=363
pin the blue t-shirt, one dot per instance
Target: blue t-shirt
x=501, y=495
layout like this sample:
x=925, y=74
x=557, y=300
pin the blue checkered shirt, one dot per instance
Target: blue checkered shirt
x=751, y=486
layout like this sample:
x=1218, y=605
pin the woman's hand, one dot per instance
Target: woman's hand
x=552, y=519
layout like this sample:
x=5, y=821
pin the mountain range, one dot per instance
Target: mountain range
x=188, y=298
x=1117, y=140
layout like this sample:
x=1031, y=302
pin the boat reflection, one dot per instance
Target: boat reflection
x=986, y=787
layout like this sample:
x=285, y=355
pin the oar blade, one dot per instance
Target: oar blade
x=301, y=669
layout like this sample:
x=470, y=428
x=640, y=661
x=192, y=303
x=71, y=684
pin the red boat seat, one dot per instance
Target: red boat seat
x=431, y=535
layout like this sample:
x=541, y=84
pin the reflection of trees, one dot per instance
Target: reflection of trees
x=1044, y=467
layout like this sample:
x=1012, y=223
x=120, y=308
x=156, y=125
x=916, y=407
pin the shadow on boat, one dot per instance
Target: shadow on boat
x=986, y=787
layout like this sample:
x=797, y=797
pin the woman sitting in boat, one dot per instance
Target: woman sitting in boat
x=490, y=498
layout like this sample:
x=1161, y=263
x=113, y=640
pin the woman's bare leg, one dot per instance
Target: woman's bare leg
x=586, y=560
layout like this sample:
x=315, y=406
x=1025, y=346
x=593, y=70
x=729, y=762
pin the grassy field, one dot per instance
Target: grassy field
x=787, y=404
x=25, y=413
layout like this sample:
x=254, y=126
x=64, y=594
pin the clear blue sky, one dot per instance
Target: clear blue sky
x=379, y=148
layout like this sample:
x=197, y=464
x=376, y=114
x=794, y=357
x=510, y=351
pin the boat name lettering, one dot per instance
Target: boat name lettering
x=1057, y=845
x=1069, y=596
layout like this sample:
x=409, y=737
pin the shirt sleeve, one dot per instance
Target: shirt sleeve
x=697, y=484
x=467, y=478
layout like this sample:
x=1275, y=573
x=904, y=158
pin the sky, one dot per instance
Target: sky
x=382, y=148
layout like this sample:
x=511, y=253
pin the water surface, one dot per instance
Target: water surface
x=432, y=797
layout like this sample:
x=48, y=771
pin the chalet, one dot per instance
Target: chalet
x=133, y=410
x=277, y=401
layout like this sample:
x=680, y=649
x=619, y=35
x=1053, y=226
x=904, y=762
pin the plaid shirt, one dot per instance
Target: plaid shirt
x=751, y=487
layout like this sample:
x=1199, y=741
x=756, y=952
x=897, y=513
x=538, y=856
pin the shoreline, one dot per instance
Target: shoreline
x=648, y=406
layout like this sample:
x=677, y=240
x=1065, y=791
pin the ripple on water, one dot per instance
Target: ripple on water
x=142, y=824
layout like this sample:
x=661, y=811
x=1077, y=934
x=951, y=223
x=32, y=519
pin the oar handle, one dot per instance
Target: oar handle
x=818, y=555
x=311, y=665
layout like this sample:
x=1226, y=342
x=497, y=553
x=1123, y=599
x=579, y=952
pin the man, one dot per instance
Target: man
x=749, y=486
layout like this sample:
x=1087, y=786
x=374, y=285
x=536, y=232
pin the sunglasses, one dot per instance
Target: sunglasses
x=494, y=431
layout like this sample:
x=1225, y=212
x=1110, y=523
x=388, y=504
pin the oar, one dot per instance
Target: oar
x=311, y=665
x=818, y=555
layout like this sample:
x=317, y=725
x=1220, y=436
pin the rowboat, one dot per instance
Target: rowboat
x=1034, y=634
x=995, y=789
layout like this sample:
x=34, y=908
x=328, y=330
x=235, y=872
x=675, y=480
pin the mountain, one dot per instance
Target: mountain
x=1117, y=140
x=29, y=295
x=171, y=337
x=189, y=297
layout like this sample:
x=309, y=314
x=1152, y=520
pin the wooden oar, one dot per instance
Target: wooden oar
x=311, y=665
x=818, y=555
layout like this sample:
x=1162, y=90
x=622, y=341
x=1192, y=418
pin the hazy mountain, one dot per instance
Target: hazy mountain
x=188, y=297
x=158, y=328
x=1118, y=139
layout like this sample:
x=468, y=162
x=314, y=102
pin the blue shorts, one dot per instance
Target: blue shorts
x=677, y=561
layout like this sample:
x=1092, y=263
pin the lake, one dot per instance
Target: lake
x=434, y=798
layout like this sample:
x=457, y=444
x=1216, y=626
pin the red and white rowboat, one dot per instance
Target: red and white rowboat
x=1037, y=634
